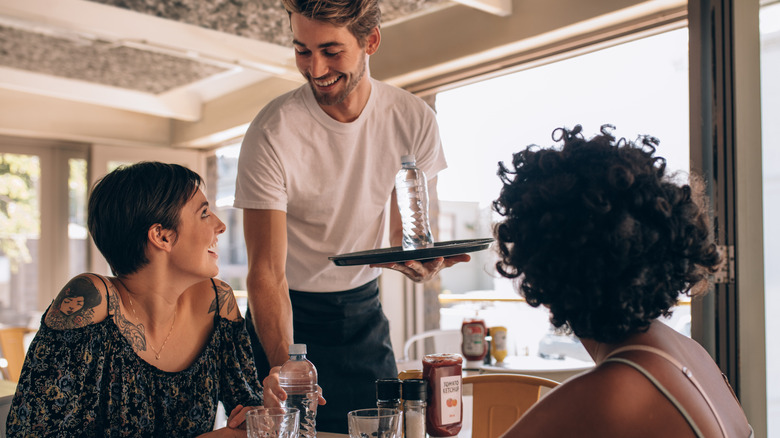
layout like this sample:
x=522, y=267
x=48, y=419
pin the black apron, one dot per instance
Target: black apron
x=347, y=338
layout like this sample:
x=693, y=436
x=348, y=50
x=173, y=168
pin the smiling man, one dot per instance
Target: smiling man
x=315, y=173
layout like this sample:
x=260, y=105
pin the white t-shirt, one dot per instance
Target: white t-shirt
x=333, y=179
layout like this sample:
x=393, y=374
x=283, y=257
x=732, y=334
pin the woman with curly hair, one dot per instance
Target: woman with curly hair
x=598, y=232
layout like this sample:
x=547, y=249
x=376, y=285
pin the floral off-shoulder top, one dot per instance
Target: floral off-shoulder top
x=90, y=382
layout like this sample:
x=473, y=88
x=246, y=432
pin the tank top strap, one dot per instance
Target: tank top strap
x=108, y=292
x=662, y=389
x=677, y=364
x=216, y=301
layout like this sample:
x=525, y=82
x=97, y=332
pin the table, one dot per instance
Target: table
x=465, y=432
x=553, y=369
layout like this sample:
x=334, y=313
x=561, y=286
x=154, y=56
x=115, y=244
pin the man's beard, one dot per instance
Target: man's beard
x=335, y=99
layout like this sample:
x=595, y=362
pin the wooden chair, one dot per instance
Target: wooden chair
x=12, y=347
x=500, y=399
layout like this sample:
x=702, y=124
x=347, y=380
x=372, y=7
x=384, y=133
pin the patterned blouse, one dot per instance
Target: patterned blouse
x=90, y=382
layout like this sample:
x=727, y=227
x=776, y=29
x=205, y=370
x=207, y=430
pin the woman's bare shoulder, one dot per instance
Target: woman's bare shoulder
x=81, y=302
x=224, y=301
x=606, y=401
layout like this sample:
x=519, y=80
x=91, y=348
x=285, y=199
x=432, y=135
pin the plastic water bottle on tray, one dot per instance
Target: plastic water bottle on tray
x=411, y=188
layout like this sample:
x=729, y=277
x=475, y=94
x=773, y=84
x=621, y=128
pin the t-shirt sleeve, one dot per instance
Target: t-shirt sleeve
x=260, y=180
x=430, y=153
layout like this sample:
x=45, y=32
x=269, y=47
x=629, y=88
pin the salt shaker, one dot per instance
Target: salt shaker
x=414, y=393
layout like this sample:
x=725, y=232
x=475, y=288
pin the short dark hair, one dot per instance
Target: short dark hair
x=360, y=17
x=126, y=202
x=598, y=232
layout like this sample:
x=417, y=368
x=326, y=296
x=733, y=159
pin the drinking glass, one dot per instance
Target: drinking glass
x=374, y=423
x=272, y=423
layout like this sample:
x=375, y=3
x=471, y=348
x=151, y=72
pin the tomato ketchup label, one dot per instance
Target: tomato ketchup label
x=450, y=399
x=443, y=373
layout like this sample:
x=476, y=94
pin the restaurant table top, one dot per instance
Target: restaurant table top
x=555, y=369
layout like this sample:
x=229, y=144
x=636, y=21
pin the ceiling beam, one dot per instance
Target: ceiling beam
x=502, y=8
x=87, y=20
x=176, y=104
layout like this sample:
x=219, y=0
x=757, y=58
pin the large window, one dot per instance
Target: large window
x=43, y=238
x=641, y=87
x=770, y=113
x=20, y=222
x=223, y=166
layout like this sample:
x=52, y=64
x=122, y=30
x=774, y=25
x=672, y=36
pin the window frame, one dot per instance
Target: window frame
x=726, y=147
x=53, y=256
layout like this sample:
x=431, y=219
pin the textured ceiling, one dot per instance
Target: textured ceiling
x=264, y=20
x=99, y=62
x=96, y=61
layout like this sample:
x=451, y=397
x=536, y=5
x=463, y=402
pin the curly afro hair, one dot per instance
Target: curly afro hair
x=597, y=231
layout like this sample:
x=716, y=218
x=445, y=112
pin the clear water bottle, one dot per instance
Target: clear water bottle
x=411, y=188
x=298, y=378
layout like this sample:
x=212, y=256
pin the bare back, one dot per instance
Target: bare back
x=616, y=399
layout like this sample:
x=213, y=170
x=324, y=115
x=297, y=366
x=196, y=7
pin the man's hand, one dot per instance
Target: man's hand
x=420, y=272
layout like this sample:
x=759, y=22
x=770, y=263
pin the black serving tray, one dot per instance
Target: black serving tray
x=397, y=254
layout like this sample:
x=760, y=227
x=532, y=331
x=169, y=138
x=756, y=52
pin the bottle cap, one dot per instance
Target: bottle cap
x=414, y=389
x=297, y=349
x=407, y=159
x=388, y=389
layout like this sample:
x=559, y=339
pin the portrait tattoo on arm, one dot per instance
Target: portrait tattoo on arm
x=75, y=306
x=227, y=300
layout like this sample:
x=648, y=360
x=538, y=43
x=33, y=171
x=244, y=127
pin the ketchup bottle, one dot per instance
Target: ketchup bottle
x=474, y=345
x=444, y=374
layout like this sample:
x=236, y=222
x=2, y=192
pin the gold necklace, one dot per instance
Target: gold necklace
x=132, y=307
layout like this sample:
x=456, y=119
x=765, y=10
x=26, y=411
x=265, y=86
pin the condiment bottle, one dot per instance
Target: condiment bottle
x=414, y=393
x=474, y=344
x=498, y=344
x=443, y=372
x=488, y=339
x=388, y=394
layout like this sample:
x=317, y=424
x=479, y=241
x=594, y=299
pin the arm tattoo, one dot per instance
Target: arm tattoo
x=227, y=300
x=75, y=306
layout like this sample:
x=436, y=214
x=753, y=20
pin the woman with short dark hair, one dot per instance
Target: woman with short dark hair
x=155, y=348
x=598, y=232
